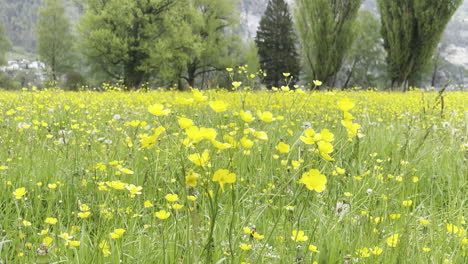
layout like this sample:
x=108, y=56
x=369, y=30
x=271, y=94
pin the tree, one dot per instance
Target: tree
x=411, y=31
x=365, y=63
x=134, y=40
x=326, y=30
x=4, y=45
x=276, y=42
x=212, y=23
x=54, y=38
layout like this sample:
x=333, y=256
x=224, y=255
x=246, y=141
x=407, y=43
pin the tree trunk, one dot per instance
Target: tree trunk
x=345, y=85
x=436, y=68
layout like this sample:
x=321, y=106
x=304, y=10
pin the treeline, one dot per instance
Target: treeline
x=183, y=43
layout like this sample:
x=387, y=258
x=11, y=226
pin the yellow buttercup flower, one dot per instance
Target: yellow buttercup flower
x=314, y=180
x=162, y=214
x=200, y=159
x=299, y=236
x=171, y=197
x=283, y=147
x=218, y=106
x=393, y=240
x=118, y=233
x=223, y=177
x=19, y=193
x=158, y=110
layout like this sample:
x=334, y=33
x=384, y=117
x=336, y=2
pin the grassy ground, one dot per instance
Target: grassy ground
x=169, y=177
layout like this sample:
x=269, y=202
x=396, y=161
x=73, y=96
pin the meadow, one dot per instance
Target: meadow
x=223, y=177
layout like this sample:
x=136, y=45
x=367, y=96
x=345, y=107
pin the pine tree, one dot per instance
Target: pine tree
x=326, y=30
x=54, y=38
x=411, y=31
x=276, y=42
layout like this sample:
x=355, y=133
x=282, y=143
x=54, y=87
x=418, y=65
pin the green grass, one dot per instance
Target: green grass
x=411, y=150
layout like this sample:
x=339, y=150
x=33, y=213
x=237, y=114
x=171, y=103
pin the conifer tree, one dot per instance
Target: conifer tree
x=276, y=42
x=411, y=31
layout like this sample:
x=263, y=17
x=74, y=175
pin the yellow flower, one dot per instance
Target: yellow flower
x=346, y=104
x=19, y=193
x=218, y=106
x=424, y=222
x=283, y=147
x=162, y=214
x=325, y=148
x=200, y=159
x=257, y=235
x=74, y=243
x=50, y=220
x=171, y=197
x=246, y=143
x=426, y=249
x=317, y=83
x=184, y=123
x=407, y=203
x=246, y=116
x=158, y=110
x=134, y=190
x=52, y=186
x=299, y=236
x=393, y=240
x=395, y=216
x=223, y=176
x=314, y=180
x=147, y=204
x=177, y=206
x=84, y=215
x=126, y=171
x=26, y=223
x=313, y=249
x=236, y=84
x=118, y=185
x=191, y=179
x=266, y=116
x=104, y=246
x=118, y=233
x=376, y=251
x=148, y=142
x=245, y=247
x=47, y=240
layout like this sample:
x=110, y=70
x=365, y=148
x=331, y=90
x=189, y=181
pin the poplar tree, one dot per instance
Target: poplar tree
x=54, y=38
x=411, y=31
x=276, y=42
x=4, y=45
x=326, y=31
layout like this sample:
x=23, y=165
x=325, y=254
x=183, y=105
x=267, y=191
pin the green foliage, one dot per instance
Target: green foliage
x=213, y=23
x=365, y=63
x=411, y=32
x=4, y=45
x=327, y=33
x=54, y=38
x=135, y=40
x=276, y=42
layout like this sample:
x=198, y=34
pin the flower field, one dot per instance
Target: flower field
x=223, y=177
